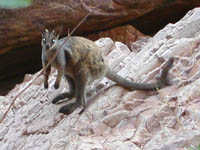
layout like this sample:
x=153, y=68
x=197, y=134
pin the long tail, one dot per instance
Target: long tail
x=142, y=86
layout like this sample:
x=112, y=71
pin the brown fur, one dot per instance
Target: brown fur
x=81, y=62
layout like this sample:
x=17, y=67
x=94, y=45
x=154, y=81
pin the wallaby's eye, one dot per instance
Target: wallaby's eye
x=53, y=41
x=43, y=40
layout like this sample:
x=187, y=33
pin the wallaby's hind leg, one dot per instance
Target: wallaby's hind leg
x=70, y=94
x=80, y=83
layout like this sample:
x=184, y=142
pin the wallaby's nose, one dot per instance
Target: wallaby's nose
x=47, y=46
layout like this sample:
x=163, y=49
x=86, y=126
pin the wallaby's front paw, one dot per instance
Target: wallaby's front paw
x=46, y=85
x=56, y=85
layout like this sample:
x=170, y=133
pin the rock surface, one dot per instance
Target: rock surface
x=125, y=34
x=167, y=119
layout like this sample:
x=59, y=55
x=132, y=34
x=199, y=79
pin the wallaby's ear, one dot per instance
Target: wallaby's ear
x=68, y=33
x=42, y=29
x=58, y=29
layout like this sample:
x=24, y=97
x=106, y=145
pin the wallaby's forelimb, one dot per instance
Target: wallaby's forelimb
x=58, y=78
x=46, y=77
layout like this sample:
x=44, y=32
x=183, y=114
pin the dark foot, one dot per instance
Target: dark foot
x=56, y=86
x=62, y=96
x=68, y=109
x=81, y=111
x=46, y=85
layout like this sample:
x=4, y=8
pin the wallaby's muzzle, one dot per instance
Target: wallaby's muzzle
x=47, y=46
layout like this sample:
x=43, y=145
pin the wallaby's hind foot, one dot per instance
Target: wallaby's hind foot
x=80, y=85
x=63, y=96
x=69, y=108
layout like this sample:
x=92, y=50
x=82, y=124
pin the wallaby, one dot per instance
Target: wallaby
x=81, y=62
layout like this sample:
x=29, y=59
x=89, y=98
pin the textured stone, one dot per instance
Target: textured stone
x=167, y=119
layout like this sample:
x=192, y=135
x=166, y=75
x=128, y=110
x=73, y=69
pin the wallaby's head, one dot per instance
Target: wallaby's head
x=50, y=38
